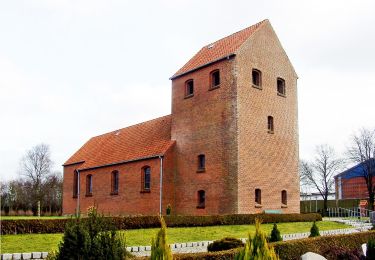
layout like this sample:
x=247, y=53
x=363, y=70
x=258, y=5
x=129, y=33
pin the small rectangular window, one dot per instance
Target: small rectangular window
x=201, y=199
x=189, y=88
x=201, y=162
x=146, y=179
x=115, y=182
x=257, y=78
x=89, y=185
x=280, y=87
x=215, y=79
x=284, y=198
x=270, y=125
x=258, y=196
x=75, y=184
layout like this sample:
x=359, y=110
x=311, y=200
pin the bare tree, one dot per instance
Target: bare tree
x=362, y=151
x=320, y=172
x=36, y=167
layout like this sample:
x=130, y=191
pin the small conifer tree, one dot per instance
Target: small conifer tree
x=314, y=231
x=275, y=234
x=160, y=249
x=257, y=248
x=370, y=252
x=168, y=210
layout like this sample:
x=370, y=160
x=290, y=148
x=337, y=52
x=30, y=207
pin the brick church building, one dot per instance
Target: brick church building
x=230, y=145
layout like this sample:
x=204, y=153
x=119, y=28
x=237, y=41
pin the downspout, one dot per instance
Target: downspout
x=161, y=185
x=78, y=192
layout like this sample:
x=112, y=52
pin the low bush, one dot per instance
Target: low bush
x=225, y=244
x=293, y=249
x=24, y=226
x=370, y=252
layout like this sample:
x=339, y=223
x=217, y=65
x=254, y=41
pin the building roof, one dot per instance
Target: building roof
x=355, y=171
x=218, y=50
x=148, y=139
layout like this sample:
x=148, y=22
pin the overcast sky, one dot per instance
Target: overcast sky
x=73, y=69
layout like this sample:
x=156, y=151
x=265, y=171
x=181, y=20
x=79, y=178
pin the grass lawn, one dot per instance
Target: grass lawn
x=48, y=242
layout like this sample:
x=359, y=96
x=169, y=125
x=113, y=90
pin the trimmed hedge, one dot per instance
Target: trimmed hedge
x=24, y=226
x=327, y=246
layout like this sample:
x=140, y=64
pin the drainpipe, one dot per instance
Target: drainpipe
x=161, y=185
x=78, y=191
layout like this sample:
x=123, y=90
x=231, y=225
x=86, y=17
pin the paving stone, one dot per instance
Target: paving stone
x=189, y=244
x=148, y=248
x=17, y=256
x=6, y=256
x=129, y=249
x=178, y=245
x=37, y=255
x=44, y=254
x=26, y=255
x=141, y=248
x=183, y=244
x=194, y=244
x=135, y=249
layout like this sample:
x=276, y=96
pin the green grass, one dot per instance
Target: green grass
x=48, y=242
x=31, y=217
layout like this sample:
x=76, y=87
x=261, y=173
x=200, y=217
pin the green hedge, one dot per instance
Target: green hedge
x=23, y=226
x=290, y=250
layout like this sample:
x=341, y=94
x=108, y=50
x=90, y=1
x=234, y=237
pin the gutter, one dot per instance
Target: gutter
x=204, y=65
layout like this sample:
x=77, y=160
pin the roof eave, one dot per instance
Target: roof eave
x=227, y=57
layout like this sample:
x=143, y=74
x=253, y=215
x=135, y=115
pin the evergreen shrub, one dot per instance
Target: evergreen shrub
x=225, y=244
x=275, y=234
x=314, y=231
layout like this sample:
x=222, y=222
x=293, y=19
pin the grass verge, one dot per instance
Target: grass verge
x=47, y=242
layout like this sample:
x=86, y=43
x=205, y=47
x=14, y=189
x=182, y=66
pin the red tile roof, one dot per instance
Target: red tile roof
x=143, y=140
x=218, y=50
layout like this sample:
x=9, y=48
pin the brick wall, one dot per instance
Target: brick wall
x=266, y=161
x=130, y=200
x=206, y=124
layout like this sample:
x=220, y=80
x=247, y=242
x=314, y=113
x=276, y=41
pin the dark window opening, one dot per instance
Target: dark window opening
x=201, y=199
x=215, y=79
x=281, y=86
x=201, y=162
x=270, y=124
x=258, y=196
x=89, y=185
x=257, y=78
x=284, y=198
x=115, y=182
x=146, y=178
x=75, y=185
x=189, y=88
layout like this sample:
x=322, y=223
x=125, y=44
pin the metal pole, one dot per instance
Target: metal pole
x=161, y=185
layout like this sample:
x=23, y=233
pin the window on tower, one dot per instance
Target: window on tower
x=280, y=87
x=257, y=78
x=215, y=79
x=189, y=88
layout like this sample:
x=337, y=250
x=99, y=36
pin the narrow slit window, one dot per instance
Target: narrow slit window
x=215, y=79
x=115, y=182
x=189, y=88
x=258, y=196
x=201, y=162
x=284, y=198
x=146, y=178
x=75, y=184
x=281, y=86
x=89, y=185
x=201, y=199
x=270, y=125
x=257, y=78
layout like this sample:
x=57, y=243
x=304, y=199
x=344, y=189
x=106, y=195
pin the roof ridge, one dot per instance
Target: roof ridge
x=232, y=34
x=137, y=124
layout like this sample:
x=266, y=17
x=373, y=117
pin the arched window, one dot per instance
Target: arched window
x=258, y=196
x=270, y=125
x=280, y=87
x=215, y=79
x=146, y=178
x=89, y=185
x=201, y=162
x=189, y=88
x=114, y=182
x=284, y=198
x=75, y=184
x=257, y=78
x=201, y=199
